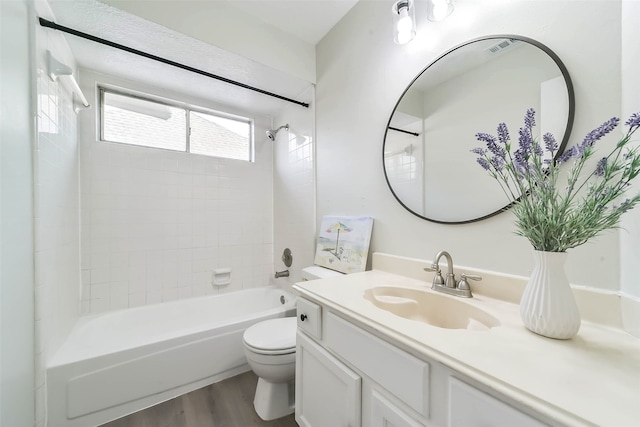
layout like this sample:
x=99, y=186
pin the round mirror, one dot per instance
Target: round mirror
x=471, y=88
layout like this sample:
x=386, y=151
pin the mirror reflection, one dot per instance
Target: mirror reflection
x=470, y=89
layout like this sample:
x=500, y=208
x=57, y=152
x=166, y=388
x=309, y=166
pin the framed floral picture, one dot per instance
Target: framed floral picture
x=343, y=243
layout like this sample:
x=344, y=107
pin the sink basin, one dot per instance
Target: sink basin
x=428, y=307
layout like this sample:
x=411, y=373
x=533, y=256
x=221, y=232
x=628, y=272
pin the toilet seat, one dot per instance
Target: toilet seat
x=260, y=351
x=273, y=337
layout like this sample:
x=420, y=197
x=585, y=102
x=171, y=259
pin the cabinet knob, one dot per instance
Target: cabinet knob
x=303, y=317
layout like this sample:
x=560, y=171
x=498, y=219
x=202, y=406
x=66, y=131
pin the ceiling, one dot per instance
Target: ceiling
x=307, y=20
x=312, y=18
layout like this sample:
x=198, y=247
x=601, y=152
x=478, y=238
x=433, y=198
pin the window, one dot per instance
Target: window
x=135, y=120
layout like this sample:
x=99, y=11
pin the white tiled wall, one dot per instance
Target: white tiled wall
x=294, y=190
x=17, y=106
x=56, y=205
x=157, y=223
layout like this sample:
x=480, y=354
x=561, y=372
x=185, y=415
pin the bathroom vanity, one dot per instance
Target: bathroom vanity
x=366, y=356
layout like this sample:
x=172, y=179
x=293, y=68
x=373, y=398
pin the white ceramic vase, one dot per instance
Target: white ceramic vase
x=548, y=307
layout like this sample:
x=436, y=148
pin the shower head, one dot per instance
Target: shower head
x=271, y=133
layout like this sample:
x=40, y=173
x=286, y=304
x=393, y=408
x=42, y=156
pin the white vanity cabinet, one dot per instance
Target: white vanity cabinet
x=340, y=369
x=328, y=393
x=469, y=406
x=385, y=413
x=346, y=376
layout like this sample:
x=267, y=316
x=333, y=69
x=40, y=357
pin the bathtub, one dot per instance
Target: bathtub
x=117, y=363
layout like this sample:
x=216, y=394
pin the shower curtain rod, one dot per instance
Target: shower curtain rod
x=49, y=24
x=404, y=131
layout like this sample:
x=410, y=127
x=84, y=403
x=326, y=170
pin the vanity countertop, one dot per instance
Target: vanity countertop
x=592, y=379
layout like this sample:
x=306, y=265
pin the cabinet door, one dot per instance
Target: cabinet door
x=328, y=393
x=386, y=414
x=471, y=407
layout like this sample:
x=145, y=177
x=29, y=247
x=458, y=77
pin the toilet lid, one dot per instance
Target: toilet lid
x=273, y=334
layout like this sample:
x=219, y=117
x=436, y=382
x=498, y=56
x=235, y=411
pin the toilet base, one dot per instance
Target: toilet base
x=274, y=400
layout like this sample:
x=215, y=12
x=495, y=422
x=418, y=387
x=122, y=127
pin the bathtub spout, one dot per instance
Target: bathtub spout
x=284, y=273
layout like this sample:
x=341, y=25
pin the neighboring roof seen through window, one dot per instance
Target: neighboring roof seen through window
x=133, y=120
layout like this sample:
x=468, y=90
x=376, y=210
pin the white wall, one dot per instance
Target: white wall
x=362, y=73
x=629, y=240
x=156, y=223
x=224, y=26
x=294, y=191
x=56, y=206
x=16, y=213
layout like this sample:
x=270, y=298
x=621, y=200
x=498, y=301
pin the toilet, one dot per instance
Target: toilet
x=270, y=348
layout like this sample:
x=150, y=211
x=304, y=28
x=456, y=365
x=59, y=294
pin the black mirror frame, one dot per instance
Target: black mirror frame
x=562, y=145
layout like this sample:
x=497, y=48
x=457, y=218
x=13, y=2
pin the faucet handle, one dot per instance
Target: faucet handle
x=463, y=284
x=437, y=279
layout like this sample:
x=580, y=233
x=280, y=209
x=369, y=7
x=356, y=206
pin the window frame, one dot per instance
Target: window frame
x=187, y=107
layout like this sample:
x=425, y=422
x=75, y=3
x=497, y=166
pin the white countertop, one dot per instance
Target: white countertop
x=592, y=379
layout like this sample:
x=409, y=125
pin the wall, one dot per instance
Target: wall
x=16, y=212
x=56, y=206
x=227, y=27
x=629, y=241
x=156, y=223
x=294, y=191
x=361, y=74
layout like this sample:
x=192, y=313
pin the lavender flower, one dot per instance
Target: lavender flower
x=492, y=145
x=626, y=205
x=521, y=160
x=503, y=134
x=568, y=155
x=530, y=119
x=537, y=149
x=600, y=167
x=596, y=134
x=497, y=162
x=633, y=122
x=484, y=163
x=485, y=137
x=525, y=141
x=550, y=143
x=557, y=217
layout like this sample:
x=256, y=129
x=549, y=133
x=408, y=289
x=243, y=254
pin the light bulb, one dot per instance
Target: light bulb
x=440, y=9
x=405, y=37
x=405, y=24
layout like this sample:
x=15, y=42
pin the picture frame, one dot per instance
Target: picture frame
x=343, y=243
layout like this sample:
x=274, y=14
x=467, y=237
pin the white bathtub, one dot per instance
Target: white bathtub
x=117, y=363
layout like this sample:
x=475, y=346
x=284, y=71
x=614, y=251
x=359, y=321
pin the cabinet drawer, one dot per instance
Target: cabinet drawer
x=310, y=318
x=403, y=375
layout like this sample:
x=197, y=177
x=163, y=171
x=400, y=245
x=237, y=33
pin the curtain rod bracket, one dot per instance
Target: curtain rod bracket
x=57, y=69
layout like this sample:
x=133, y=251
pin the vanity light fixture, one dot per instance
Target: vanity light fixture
x=404, y=21
x=438, y=10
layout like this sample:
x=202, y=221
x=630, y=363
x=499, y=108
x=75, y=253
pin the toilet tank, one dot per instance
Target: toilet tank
x=315, y=272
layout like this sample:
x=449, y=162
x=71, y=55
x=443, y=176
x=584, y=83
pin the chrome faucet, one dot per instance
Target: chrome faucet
x=283, y=273
x=449, y=285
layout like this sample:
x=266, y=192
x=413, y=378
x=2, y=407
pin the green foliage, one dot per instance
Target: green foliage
x=556, y=219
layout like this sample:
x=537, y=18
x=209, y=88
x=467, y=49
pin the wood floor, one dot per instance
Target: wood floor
x=228, y=403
